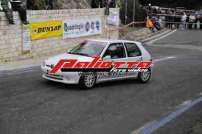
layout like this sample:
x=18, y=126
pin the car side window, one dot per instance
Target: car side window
x=116, y=51
x=132, y=50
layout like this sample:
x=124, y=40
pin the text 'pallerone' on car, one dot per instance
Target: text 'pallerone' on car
x=120, y=52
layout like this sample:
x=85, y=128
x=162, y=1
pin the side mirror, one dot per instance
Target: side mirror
x=108, y=57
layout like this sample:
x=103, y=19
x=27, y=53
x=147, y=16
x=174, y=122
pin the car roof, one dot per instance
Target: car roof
x=111, y=40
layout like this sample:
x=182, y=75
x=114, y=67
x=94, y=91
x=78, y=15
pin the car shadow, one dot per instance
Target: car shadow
x=117, y=83
x=108, y=84
x=60, y=86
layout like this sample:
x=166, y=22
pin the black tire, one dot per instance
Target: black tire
x=85, y=82
x=143, y=78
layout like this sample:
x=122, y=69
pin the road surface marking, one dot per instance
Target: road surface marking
x=161, y=37
x=164, y=59
x=156, y=124
x=17, y=72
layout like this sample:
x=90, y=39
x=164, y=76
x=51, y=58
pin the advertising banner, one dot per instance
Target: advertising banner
x=26, y=43
x=113, y=18
x=46, y=29
x=82, y=27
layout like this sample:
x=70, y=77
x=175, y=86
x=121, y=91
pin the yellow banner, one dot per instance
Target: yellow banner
x=46, y=29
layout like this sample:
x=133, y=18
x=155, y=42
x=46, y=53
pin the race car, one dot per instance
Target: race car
x=107, y=50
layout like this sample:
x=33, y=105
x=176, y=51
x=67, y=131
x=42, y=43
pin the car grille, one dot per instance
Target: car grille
x=57, y=77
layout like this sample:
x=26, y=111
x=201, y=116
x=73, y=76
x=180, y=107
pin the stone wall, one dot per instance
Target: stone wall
x=11, y=39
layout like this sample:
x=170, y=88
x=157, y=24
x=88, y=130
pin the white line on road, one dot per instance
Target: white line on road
x=164, y=36
x=156, y=124
x=20, y=71
x=164, y=59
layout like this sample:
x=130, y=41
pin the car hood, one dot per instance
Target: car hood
x=55, y=59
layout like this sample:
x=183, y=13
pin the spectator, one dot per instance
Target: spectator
x=156, y=24
x=192, y=20
x=6, y=7
x=149, y=24
x=198, y=21
x=169, y=18
x=188, y=22
x=16, y=5
x=183, y=20
x=19, y=6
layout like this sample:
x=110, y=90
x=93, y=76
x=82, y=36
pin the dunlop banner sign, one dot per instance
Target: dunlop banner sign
x=46, y=29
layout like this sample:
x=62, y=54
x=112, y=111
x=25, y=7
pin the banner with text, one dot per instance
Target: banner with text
x=82, y=27
x=113, y=18
x=46, y=29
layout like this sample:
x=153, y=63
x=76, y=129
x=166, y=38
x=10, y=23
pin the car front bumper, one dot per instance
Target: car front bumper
x=62, y=77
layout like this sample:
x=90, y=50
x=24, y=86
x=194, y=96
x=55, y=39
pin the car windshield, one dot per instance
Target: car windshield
x=88, y=48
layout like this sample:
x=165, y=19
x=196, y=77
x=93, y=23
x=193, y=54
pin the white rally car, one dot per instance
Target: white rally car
x=115, y=50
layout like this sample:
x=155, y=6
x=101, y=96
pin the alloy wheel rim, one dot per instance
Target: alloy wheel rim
x=145, y=75
x=89, y=80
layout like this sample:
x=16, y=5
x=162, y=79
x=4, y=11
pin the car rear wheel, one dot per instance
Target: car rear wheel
x=88, y=80
x=145, y=76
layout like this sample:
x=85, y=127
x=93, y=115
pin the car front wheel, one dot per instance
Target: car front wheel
x=87, y=80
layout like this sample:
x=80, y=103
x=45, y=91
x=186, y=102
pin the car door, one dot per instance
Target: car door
x=133, y=54
x=116, y=52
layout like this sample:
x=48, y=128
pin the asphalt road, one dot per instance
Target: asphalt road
x=31, y=105
x=188, y=123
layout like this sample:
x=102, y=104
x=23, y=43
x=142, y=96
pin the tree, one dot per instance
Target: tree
x=36, y=4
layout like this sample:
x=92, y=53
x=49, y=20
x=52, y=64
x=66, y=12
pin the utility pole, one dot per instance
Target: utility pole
x=126, y=11
x=134, y=11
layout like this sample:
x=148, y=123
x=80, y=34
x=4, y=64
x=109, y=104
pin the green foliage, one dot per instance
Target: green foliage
x=36, y=4
x=40, y=4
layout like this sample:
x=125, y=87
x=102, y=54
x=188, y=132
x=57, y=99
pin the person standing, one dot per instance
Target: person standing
x=188, y=22
x=6, y=7
x=19, y=6
x=149, y=24
x=16, y=5
x=183, y=20
x=198, y=22
x=192, y=21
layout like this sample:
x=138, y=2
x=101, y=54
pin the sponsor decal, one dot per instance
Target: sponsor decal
x=46, y=29
x=98, y=65
x=113, y=18
x=82, y=27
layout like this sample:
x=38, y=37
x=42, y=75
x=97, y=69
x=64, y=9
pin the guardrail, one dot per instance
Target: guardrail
x=124, y=29
x=182, y=25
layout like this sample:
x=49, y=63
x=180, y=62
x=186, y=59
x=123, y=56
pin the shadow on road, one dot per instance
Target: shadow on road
x=105, y=85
